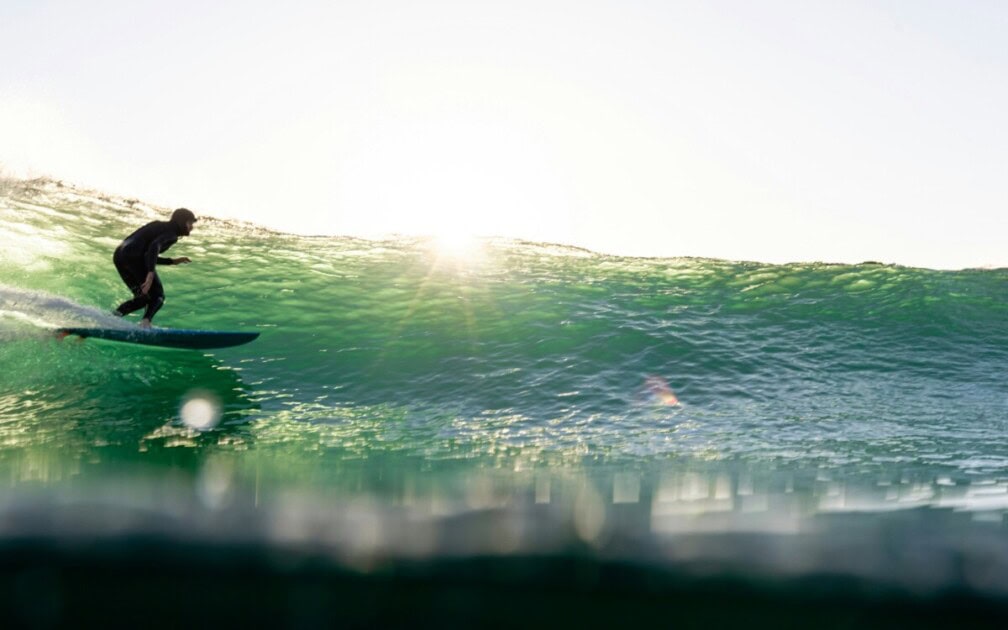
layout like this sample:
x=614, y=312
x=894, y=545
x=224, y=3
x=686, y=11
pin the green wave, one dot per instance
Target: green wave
x=395, y=351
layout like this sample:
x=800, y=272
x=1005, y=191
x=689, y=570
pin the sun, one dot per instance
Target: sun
x=457, y=244
x=453, y=231
x=453, y=181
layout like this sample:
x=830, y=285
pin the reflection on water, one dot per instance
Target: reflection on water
x=920, y=535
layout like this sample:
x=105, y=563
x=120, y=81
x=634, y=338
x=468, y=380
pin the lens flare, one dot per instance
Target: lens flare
x=660, y=391
x=200, y=410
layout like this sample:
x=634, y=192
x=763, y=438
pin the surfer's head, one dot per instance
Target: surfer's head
x=183, y=218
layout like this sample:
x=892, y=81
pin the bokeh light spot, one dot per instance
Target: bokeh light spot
x=200, y=410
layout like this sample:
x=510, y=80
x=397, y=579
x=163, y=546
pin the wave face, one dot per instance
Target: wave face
x=394, y=354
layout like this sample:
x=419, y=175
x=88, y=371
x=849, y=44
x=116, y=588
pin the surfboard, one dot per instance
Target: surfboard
x=165, y=337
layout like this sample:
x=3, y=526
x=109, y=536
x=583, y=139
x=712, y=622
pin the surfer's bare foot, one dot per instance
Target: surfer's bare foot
x=145, y=323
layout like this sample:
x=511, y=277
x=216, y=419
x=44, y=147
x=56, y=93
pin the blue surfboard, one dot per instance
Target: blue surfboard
x=165, y=337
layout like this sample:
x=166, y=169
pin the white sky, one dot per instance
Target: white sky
x=774, y=131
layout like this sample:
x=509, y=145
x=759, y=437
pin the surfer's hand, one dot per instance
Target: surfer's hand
x=181, y=261
x=145, y=287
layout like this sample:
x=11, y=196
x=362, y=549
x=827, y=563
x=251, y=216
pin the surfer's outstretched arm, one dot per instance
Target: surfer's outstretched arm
x=162, y=242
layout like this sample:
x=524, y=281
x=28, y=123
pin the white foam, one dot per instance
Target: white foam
x=45, y=310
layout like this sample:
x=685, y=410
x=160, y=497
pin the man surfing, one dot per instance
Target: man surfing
x=137, y=256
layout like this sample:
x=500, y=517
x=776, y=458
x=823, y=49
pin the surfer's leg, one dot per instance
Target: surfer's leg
x=155, y=297
x=132, y=273
x=135, y=304
x=129, y=271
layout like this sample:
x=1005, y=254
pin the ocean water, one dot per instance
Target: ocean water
x=637, y=398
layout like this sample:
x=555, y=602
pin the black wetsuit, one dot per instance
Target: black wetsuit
x=138, y=255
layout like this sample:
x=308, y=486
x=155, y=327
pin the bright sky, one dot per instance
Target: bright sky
x=776, y=131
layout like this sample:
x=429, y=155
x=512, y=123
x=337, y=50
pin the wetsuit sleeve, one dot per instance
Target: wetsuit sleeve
x=164, y=261
x=151, y=257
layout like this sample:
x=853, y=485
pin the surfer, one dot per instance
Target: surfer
x=137, y=256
